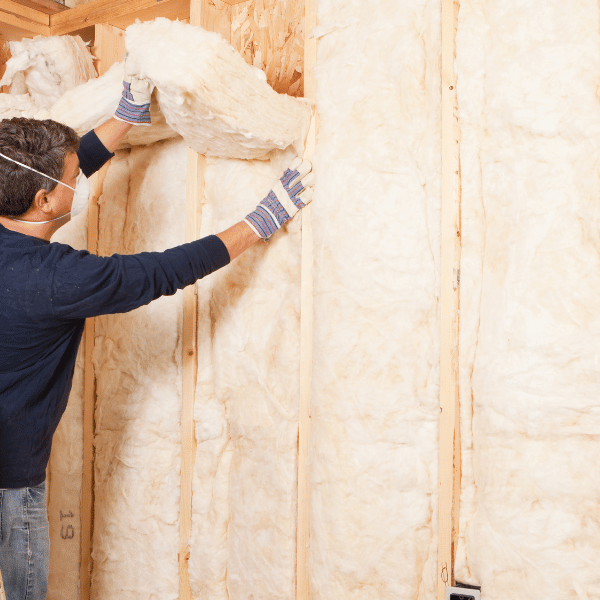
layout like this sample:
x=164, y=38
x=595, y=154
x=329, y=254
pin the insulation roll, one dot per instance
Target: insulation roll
x=46, y=68
x=210, y=96
x=92, y=103
x=205, y=92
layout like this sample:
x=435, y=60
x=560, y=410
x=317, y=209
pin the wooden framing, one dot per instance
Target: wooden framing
x=18, y=21
x=4, y=57
x=30, y=14
x=89, y=404
x=306, y=327
x=109, y=47
x=195, y=188
x=104, y=21
x=117, y=13
x=449, y=462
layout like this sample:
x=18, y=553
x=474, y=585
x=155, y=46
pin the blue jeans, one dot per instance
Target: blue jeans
x=24, y=543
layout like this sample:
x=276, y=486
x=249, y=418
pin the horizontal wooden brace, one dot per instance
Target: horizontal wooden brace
x=30, y=14
x=22, y=25
x=117, y=13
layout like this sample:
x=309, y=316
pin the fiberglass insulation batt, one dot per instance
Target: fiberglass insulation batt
x=47, y=67
x=243, y=542
x=530, y=292
x=138, y=371
x=376, y=221
x=210, y=96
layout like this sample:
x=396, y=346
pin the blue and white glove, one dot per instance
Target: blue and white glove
x=134, y=106
x=290, y=194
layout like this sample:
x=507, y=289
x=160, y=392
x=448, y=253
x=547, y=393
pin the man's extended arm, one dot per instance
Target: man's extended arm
x=112, y=132
x=238, y=239
x=133, y=109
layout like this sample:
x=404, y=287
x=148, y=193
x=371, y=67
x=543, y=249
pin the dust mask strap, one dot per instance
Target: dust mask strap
x=43, y=175
x=36, y=171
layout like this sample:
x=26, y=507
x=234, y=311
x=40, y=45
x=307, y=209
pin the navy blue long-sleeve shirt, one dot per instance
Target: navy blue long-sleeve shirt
x=46, y=292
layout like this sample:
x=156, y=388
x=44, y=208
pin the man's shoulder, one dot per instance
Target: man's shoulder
x=31, y=253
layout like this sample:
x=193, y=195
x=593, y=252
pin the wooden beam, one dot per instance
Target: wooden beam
x=195, y=189
x=48, y=7
x=449, y=461
x=306, y=326
x=18, y=21
x=4, y=57
x=24, y=27
x=117, y=13
x=30, y=14
x=108, y=49
x=89, y=403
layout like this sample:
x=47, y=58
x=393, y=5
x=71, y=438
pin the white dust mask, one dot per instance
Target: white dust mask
x=81, y=195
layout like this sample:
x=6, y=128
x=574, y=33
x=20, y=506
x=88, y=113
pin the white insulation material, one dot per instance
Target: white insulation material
x=205, y=91
x=45, y=68
x=85, y=106
x=530, y=292
x=376, y=220
x=17, y=105
x=244, y=504
x=96, y=101
x=138, y=373
x=209, y=95
x=54, y=78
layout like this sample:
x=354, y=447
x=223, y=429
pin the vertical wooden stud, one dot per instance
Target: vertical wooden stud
x=89, y=403
x=195, y=187
x=4, y=57
x=109, y=47
x=449, y=462
x=306, y=327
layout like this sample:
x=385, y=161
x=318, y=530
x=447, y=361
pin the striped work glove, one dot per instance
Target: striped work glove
x=290, y=194
x=134, y=106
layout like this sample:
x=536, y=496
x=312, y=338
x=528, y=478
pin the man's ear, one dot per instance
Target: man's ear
x=41, y=201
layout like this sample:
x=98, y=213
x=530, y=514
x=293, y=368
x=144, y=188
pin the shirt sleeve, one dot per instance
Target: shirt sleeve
x=92, y=154
x=85, y=285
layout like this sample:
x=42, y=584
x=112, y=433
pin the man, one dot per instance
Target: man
x=48, y=289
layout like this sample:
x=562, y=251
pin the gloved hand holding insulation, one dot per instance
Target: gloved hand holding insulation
x=290, y=194
x=219, y=104
x=205, y=92
x=134, y=106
